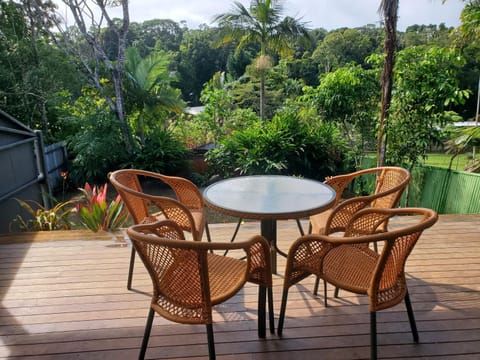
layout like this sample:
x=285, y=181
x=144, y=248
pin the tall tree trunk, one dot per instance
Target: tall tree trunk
x=97, y=61
x=263, y=64
x=389, y=9
x=262, y=95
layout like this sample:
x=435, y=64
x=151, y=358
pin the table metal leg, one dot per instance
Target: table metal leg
x=268, y=228
x=300, y=228
x=234, y=233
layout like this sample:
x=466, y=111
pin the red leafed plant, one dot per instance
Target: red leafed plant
x=94, y=211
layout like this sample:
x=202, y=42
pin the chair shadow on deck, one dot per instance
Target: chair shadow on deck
x=444, y=312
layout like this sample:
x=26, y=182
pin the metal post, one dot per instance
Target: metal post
x=43, y=180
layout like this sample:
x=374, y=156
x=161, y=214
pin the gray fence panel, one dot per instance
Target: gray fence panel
x=55, y=163
x=21, y=161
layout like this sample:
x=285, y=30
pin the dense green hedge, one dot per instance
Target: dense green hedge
x=286, y=145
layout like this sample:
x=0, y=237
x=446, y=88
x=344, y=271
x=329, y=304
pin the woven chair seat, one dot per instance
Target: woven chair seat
x=318, y=221
x=226, y=275
x=350, y=267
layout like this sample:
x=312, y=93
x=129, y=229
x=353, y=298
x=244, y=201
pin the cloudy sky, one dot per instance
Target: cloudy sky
x=328, y=14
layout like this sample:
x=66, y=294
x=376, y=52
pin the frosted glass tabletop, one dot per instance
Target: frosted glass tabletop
x=269, y=196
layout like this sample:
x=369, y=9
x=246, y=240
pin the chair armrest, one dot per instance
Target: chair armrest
x=374, y=218
x=305, y=257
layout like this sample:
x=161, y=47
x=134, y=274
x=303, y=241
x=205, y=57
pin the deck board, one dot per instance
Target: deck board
x=67, y=299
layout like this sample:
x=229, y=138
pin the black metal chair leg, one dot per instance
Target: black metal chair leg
x=130, y=268
x=315, y=290
x=335, y=293
x=207, y=231
x=283, y=308
x=271, y=314
x=209, y=238
x=146, y=335
x=315, y=287
x=411, y=317
x=325, y=302
x=262, y=294
x=373, y=335
x=211, y=342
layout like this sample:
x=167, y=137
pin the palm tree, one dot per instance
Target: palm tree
x=461, y=141
x=464, y=139
x=261, y=24
x=147, y=87
x=470, y=18
x=389, y=10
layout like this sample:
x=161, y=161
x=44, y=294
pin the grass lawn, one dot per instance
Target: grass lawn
x=443, y=160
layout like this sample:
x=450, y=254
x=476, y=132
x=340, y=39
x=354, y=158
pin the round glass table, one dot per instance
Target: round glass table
x=269, y=198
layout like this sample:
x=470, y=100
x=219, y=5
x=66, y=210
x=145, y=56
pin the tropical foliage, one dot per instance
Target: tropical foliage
x=149, y=94
x=425, y=88
x=287, y=145
x=42, y=219
x=118, y=92
x=96, y=213
x=463, y=140
x=262, y=24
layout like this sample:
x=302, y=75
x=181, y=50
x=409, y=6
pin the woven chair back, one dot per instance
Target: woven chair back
x=123, y=181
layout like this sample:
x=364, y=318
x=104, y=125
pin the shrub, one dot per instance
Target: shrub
x=286, y=145
x=162, y=152
x=94, y=211
x=97, y=148
x=42, y=219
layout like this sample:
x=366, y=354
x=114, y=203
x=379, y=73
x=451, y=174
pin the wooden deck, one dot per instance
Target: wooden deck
x=68, y=300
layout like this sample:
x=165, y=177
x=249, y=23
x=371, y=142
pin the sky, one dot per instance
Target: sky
x=327, y=14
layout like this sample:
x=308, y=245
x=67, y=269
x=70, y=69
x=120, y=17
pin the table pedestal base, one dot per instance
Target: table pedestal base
x=268, y=229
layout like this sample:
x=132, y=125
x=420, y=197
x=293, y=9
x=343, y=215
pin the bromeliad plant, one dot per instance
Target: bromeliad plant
x=96, y=214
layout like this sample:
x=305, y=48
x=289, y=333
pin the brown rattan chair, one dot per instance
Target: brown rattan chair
x=348, y=262
x=187, y=210
x=188, y=279
x=390, y=183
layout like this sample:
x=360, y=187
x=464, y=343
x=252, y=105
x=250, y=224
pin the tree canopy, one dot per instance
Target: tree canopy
x=127, y=84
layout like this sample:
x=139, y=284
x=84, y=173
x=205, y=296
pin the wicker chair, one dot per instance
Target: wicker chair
x=391, y=181
x=187, y=210
x=188, y=279
x=348, y=263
